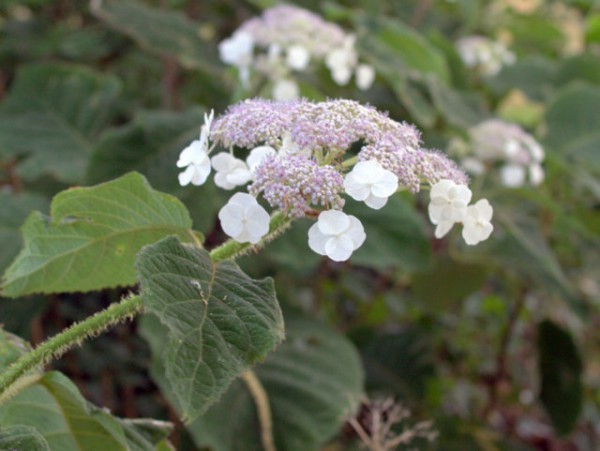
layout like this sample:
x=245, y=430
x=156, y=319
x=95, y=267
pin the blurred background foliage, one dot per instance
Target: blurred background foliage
x=498, y=344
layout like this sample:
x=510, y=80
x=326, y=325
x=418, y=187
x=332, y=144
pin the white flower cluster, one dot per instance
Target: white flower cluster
x=286, y=40
x=285, y=169
x=518, y=152
x=483, y=54
x=449, y=204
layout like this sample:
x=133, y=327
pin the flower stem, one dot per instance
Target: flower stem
x=68, y=339
x=261, y=400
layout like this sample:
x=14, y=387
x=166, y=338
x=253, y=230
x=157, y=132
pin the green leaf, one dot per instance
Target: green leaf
x=396, y=44
x=14, y=210
x=560, y=369
x=151, y=144
x=401, y=363
x=447, y=284
x=220, y=321
x=22, y=438
x=142, y=433
x=396, y=236
x=534, y=76
x=55, y=409
x=11, y=348
x=161, y=31
x=584, y=67
x=54, y=114
x=92, y=237
x=522, y=248
x=572, y=119
x=313, y=382
x=459, y=108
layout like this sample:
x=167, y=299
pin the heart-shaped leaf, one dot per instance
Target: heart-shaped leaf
x=220, y=320
x=92, y=237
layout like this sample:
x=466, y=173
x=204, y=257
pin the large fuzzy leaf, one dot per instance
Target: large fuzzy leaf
x=15, y=208
x=220, y=321
x=54, y=115
x=56, y=411
x=92, y=237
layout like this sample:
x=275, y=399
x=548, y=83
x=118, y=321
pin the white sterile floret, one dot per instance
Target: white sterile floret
x=231, y=171
x=237, y=51
x=257, y=156
x=243, y=219
x=365, y=75
x=298, y=57
x=285, y=89
x=195, y=157
x=477, y=225
x=336, y=235
x=448, y=205
x=341, y=61
x=536, y=174
x=371, y=183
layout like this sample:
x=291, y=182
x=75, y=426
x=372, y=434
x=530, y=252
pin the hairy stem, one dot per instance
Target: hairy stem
x=262, y=406
x=68, y=339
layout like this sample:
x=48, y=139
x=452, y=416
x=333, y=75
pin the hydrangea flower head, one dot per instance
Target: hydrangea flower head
x=302, y=158
x=289, y=39
x=484, y=54
x=520, y=155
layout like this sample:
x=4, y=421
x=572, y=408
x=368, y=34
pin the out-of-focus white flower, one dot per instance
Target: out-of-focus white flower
x=257, y=156
x=285, y=89
x=483, y=54
x=365, y=75
x=274, y=52
x=243, y=219
x=473, y=165
x=512, y=175
x=448, y=204
x=231, y=171
x=476, y=222
x=341, y=75
x=371, y=183
x=494, y=141
x=194, y=158
x=237, y=51
x=336, y=235
x=342, y=61
x=536, y=174
x=298, y=57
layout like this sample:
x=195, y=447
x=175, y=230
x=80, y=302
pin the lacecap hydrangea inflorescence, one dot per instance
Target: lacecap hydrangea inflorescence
x=287, y=40
x=296, y=157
